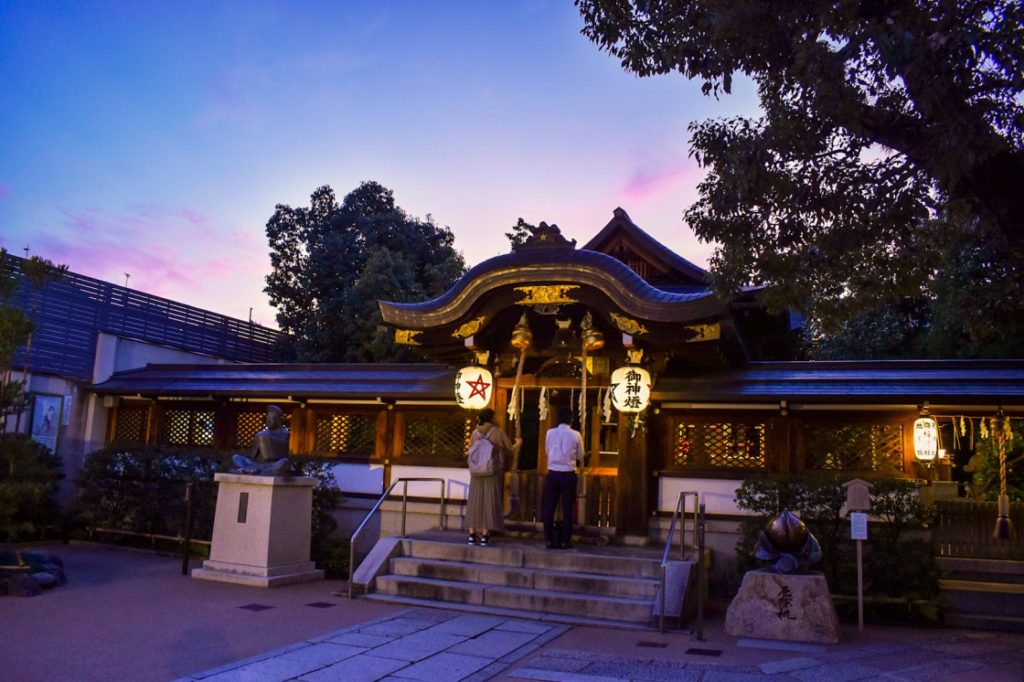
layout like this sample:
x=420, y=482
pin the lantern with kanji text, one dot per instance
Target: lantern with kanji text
x=631, y=389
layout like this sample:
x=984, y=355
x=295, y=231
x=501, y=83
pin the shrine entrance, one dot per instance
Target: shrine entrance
x=538, y=412
x=533, y=319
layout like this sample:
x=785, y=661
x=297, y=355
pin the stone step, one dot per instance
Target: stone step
x=536, y=578
x=972, y=621
x=982, y=570
x=564, y=618
x=518, y=556
x=546, y=601
x=982, y=598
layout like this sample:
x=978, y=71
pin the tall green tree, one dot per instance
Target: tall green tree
x=333, y=261
x=882, y=178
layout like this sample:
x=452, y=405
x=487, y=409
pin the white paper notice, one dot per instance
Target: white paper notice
x=858, y=526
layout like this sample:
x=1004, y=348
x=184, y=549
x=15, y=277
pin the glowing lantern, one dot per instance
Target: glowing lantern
x=926, y=439
x=631, y=389
x=473, y=387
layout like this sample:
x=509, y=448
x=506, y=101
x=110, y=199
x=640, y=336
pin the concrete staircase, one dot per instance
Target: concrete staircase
x=983, y=594
x=607, y=586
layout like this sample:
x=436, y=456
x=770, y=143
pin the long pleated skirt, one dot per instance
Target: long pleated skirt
x=484, y=506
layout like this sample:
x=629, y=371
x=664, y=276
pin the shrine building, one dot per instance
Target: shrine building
x=673, y=388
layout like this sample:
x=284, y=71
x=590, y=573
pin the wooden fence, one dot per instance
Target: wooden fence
x=964, y=529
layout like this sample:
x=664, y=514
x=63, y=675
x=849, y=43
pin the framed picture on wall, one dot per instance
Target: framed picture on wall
x=46, y=421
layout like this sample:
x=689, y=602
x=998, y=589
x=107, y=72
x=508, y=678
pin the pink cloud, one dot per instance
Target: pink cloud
x=177, y=253
x=649, y=183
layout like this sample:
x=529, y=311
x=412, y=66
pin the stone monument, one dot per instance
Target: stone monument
x=783, y=602
x=261, y=529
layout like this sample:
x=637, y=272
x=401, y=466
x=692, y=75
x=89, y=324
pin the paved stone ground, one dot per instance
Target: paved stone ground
x=131, y=616
x=441, y=646
x=419, y=644
x=942, y=656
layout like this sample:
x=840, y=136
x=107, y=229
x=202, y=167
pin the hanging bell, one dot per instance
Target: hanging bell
x=522, y=337
x=1004, y=525
x=592, y=337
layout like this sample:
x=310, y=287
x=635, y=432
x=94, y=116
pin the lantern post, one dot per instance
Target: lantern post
x=926, y=440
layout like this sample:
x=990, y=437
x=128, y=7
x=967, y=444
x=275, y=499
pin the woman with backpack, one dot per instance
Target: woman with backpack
x=484, y=506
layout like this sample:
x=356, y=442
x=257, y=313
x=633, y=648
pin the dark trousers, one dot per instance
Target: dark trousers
x=558, y=486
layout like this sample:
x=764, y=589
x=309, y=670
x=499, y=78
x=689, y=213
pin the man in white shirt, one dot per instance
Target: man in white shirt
x=564, y=447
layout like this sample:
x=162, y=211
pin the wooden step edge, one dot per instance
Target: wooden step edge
x=980, y=586
x=554, y=618
x=524, y=570
x=577, y=550
x=528, y=591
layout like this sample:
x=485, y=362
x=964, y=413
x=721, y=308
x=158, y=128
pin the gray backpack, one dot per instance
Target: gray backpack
x=483, y=457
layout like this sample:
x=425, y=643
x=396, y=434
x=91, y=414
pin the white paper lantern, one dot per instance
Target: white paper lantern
x=473, y=387
x=926, y=439
x=631, y=389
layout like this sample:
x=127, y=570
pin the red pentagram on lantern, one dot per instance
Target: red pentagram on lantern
x=479, y=388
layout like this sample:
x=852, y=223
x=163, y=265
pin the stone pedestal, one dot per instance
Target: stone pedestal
x=793, y=608
x=261, y=531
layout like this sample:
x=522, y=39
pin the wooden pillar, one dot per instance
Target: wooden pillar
x=392, y=444
x=633, y=480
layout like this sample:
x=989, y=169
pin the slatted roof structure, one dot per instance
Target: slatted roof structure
x=961, y=382
x=68, y=315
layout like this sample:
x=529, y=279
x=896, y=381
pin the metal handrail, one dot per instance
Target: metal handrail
x=678, y=513
x=369, y=515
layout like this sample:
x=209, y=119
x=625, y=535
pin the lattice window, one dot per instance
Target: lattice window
x=436, y=436
x=345, y=433
x=729, y=445
x=854, y=447
x=247, y=425
x=130, y=424
x=188, y=427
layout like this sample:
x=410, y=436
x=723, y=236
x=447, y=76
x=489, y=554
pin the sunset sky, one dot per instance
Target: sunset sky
x=155, y=138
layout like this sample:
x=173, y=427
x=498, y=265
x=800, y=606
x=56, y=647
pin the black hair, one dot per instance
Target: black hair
x=565, y=415
x=486, y=415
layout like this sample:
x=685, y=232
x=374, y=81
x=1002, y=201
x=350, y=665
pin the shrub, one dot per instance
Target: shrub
x=898, y=557
x=143, y=490
x=29, y=475
x=326, y=498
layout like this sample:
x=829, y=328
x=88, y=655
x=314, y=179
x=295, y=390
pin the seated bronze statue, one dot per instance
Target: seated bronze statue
x=269, y=455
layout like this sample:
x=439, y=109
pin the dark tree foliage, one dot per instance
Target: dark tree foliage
x=883, y=179
x=521, y=231
x=332, y=262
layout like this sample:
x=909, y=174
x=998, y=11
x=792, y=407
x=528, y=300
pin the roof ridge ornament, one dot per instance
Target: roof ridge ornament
x=545, y=236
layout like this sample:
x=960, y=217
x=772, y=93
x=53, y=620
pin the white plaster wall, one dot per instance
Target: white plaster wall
x=367, y=479
x=718, y=495
x=117, y=354
x=456, y=481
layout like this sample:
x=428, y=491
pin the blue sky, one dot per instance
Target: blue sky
x=155, y=138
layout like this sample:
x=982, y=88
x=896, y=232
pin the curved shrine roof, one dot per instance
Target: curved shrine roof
x=540, y=266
